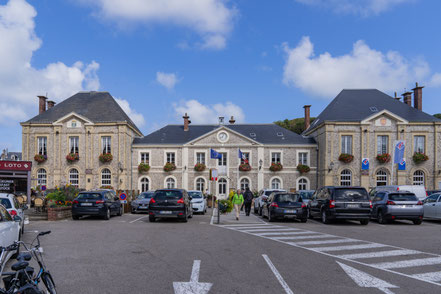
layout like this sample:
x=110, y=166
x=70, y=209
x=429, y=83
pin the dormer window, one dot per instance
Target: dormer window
x=73, y=124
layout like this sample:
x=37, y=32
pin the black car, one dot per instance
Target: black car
x=100, y=202
x=348, y=203
x=430, y=192
x=170, y=203
x=284, y=205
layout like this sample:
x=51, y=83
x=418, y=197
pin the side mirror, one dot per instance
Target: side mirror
x=17, y=218
x=189, y=197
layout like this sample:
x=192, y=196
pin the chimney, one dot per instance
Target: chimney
x=396, y=97
x=221, y=120
x=50, y=104
x=42, y=104
x=418, y=97
x=407, y=98
x=232, y=120
x=187, y=122
x=307, y=116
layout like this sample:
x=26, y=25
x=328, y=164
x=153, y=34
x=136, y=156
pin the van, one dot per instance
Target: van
x=419, y=191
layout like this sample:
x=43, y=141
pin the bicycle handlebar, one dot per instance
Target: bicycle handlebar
x=44, y=233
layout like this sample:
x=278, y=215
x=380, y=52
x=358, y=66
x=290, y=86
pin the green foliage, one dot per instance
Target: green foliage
x=438, y=115
x=296, y=125
x=58, y=195
x=225, y=206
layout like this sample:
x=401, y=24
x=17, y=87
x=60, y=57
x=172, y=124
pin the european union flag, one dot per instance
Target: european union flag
x=215, y=155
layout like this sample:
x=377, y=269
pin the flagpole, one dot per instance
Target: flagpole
x=392, y=169
x=238, y=181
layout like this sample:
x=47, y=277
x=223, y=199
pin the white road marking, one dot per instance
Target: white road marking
x=303, y=237
x=138, y=219
x=277, y=274
x=269, y=230
x=379, y=254
x=433, y=276
x=192, y=287
x=333, y=241
x=365, y=280
x=281, y=234
x=409, y=263
x=242, y=225
x=254, y=227
x=349, y=247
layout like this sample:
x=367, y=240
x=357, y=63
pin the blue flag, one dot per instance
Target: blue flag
x=402, y=165
x=215, y=155
x=399, y=148
x=365, y=164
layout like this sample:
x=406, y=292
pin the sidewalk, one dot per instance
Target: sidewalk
x=230, y=219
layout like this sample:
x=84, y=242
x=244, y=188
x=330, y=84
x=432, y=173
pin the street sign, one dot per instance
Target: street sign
x=123, y=197
x=43, y=188
x=15, y=165
x=123, y=201
x=365, y=164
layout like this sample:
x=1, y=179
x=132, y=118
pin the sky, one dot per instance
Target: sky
x=260, y=61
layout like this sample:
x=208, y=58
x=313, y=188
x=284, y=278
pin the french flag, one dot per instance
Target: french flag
x=242, y=156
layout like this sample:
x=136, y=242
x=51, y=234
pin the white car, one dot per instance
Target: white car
x=9, y=230
x=263, y=194
x=198, y=201
x=13, y=207
x=418, y=190
x=432, y=206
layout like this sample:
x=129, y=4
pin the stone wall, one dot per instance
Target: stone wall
x=58, y=213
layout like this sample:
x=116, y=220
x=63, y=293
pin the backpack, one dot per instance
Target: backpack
x=248, y=196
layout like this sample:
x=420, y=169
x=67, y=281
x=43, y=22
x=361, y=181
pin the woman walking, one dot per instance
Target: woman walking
x=237, y=202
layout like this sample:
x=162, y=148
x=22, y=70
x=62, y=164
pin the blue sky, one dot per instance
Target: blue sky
x=258, y=60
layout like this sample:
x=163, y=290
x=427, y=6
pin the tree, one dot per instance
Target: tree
x=438, y=115
x=296, y=125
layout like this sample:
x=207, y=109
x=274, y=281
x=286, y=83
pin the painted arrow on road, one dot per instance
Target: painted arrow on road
x=365, y=280
x=192, y=287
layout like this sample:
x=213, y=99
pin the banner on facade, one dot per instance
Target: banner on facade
x=365, y=164
x=402, y=164
x=399, y=147
x=15, y=165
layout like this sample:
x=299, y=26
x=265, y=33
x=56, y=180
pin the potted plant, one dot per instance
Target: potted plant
x=72, y=157
x=225, y=206
x=419, y=157
x=383, y=158
x=245, y=167
x=143, y=167
x=168, y=167
x=199, y=167
x=346, y=158
x=106, y=157
x=40, y=158
x=276, y=167
x=302, y=168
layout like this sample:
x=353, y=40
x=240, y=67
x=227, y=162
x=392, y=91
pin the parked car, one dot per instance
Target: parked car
x=198, y=201
x=141, y=203
x=263, y=195
x=170, y=203
x=430, y=192
x=97, y=202
x=281, y=205
x=341, y=202
x=432, y=206
x=394, y=205
x=306, y=195
x=9, y=230
x=9, y=201
x=418, y=190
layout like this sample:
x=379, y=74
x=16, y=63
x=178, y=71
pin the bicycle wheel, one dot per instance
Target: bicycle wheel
x=49, y=283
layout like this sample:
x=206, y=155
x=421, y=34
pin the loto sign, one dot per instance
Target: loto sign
x=16, y=165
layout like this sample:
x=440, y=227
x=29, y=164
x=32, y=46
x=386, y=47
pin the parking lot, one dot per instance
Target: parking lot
x=128, y=254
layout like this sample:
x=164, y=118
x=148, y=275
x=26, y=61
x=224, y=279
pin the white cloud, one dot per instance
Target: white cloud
x=326, y=76
x=211, y=19
x=20, y=82
x=208, y=114
x=136, y=117
x=360, y=7
x=167, y=80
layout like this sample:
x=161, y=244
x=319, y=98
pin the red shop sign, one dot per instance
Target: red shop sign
x=16, y=165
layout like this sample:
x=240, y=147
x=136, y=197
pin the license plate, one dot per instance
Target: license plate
x=165, y=212
x=86, y=204
x=353, y=206
x=290, y=211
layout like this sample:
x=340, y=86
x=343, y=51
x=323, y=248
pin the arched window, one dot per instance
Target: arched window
x=244, y=184
x=106, y=177
x=276, y=184
x=419, y=178
x=170, y=183
x=200, y=184
x=74, y=177
x=381, y=178
x=41, y=177
x=302, y=184
x=346, y=178
x=145, y=184
x=222, y=186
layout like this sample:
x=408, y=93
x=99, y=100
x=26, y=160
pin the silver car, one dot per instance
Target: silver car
x=388, y=206
x=432, y=206
x=141, y=203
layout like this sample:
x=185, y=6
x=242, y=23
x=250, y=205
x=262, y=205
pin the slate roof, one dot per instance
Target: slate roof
x=264, y=134
x=358, y=104
x=98, y=107
x=6, y=155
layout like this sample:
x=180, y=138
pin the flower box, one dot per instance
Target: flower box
x=105, y=157
x=302, y=168
x=346, y=158
x=383, y=158
x=143, y=167
x=245, y=167
x=40, y=158
x=275, y=167
x=72, y=157
x=199, y=167
x=168, y=167
x=420, y=157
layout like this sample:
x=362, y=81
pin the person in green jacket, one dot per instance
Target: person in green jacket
x=237, y=202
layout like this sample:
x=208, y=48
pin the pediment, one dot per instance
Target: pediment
x=222, y=136
x=384, y=118
x=73, y=120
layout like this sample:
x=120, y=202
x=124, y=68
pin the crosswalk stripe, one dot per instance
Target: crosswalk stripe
x=408, y=263
x=349, y=247
x=433, y=276
x=254, y=227
x=302, y=237
x=282, y=233
x=379, y=254
x=333, y=241
x=245, y=225
x=272, y=230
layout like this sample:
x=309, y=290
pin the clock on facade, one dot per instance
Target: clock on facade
x=222, y=137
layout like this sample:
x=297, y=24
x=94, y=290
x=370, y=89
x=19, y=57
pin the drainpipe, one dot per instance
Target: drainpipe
x=131, y=171
x=317, y=169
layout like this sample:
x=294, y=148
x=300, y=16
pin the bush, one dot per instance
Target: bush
x=419, y=157
x=71, y=157
x=199, y=167
x=143, y=167
x=276, y=167
x=225, y=206
x=106, y=157
x=245, y=167
x=40, y=158
x=302, y=168
x=346, y=158
x=168, y=167
x=383, y=158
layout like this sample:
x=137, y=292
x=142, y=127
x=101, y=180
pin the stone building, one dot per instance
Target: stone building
x=365, y=124
x=8, y=155
x=83, y=126
x=261, y=144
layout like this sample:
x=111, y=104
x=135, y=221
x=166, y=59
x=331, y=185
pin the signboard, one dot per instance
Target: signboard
x=123, y=197
x=43, y=188
x=6, y=186
x=123, y=201
x=402, y=164
x=16, y=165
x=365, y=164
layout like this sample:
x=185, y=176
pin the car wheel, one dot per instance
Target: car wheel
x=260, y=211
x=152, y=219
x=381, y=217
x=308, y=213
x=417, y=221
x=364, y=222
x=75, y=217
x=120, y=212
x=107, y=216
x=204, y=211
x=133, y=211
x=255, y=209
x=325, y=218
x=185, y=218
x=304, y=220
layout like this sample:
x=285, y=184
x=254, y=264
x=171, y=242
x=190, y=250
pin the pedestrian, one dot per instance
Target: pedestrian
x=248, y=197
x=237, y=202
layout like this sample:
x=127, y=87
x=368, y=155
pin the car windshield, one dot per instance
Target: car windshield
x=306, y=194
x=167, y=194
x=89, y=196
x=287, y=198
x=403, y=197
x=145, y=195
x=6, y=203
x=195, y=195
x=351, y=194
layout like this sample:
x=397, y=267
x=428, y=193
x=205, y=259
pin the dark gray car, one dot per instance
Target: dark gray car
x=141, y=203
x=388, y=206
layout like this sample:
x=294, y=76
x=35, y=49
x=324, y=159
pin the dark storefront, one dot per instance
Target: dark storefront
x=15, y=177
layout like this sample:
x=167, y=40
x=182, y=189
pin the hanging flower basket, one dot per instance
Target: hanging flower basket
x=143, y=167
x=106, y=157
x=40, y=158
x=199, y=167
x=106, y=187
x=168, y=167
x=245, y=167
x=275, y=167
x=346, y=158
x=72, y=157
x=419, y=157
x=302, y=168
x=383, y=158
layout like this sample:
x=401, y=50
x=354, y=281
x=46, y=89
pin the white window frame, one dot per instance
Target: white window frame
x=168, y=180
x=243, y=186
x=417, y=141
x=144, y=151
x=175, y=151
x=381, y=144
x=280, y=183
x=346, y=145
x=221, y=180
x=223, y=159
x=346, y=178
x=74, y=142
x=204, y=154
x=142, y=183
x=276, y=151
x=381, y=176
x=42, y=145
x=249, y=156
x=106, y=144
x=307, y=184
x=144, y=154
x=41, y=177
x=307, y=157
x=419, y=178
x=74, y=177
x=197, y=183
x=106, y=179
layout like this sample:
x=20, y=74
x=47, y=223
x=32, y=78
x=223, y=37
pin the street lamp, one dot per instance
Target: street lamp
x=331, y=166
x=260, y=164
